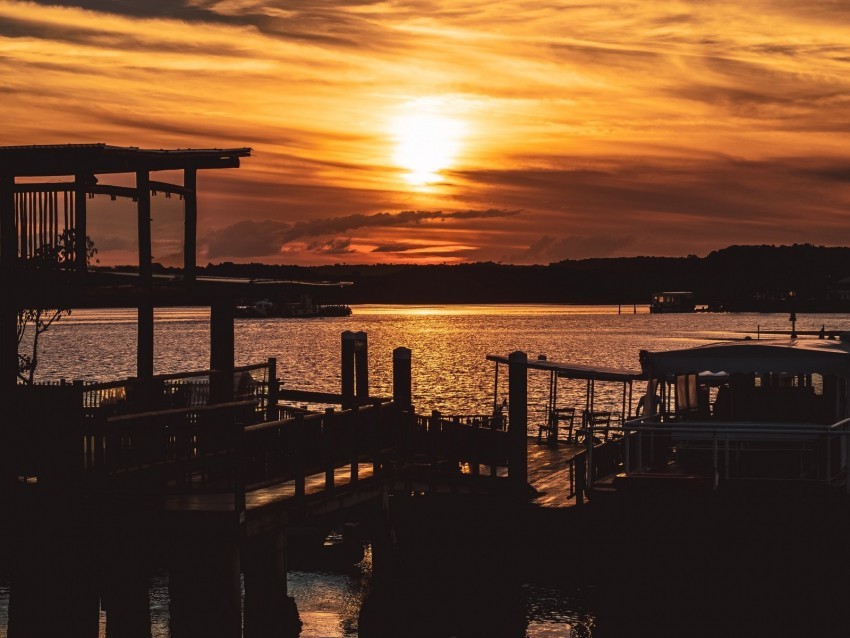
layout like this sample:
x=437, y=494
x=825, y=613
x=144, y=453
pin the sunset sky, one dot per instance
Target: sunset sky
x=447, y=131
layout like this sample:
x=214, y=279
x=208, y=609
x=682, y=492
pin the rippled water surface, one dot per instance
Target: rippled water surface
x=449, y=344
x=450, y=373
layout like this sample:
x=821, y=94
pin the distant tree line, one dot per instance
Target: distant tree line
x=734, y=278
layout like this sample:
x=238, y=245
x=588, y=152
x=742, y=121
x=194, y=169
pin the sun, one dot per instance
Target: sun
x=427, y=142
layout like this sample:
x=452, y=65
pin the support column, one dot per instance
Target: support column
x=81, y=182
x=144, y=342
x=222, y=353
x=402, y=383
x=126, y=584
x=144, y=345
x=190, y=224
x=8, y=309
x=361, y=367
x=518, y=421
x=54, y=580
x=204, y=587
x=269, y=611
x=143, y=196
x=347, y=369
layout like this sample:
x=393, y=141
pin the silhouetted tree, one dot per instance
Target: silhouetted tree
x=55, y=258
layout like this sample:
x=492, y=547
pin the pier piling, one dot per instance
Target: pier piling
x=518, y=420
x=402, y=384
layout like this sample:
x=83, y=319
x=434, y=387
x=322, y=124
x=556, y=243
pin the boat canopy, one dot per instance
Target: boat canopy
x=576, y=371
x=764, y=356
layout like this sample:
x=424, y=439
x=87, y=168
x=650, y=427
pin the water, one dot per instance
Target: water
x=450, y=373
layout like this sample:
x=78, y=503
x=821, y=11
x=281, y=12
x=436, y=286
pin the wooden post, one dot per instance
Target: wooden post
x=144, y=345
x=272, y=413
x=300, y=439
x=328, y=440
x=361, y=365
x=475, y=459
x=221, y=350
x=204, y=586
x=347, y=369
x=353, y=438
x=518, y=421
x=402, y=382
x=81, y=182
x=8, y=309
x=269, y=611
x=190, y=224
x=434, y=436
x=377, y=436
x=143, y=196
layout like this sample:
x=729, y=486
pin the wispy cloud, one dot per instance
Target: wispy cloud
x=664, y=127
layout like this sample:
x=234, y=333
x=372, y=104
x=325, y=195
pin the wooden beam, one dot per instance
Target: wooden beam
x=174, y=189
x=190, y=225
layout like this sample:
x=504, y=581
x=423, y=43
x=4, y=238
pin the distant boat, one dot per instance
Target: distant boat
x=265, y=309
x=678, y=301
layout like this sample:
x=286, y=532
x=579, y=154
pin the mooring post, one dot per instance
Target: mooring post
x=361, y=365
x=518, y=421
x=347, y=369
x=402, y=381
x=354, y=443
x=434, y=435
x=272, y=413
x=329, y=440
x=298, y=459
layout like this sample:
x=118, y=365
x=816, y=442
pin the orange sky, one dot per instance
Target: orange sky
x=447, y=131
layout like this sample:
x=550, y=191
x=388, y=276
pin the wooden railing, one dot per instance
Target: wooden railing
x=256, y=382
x=181, y=449
x=307, y=444
x=461, y=441
x=223, y=448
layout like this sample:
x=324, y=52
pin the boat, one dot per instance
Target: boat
x=766, y=411
x=675, y=301
x=266, y=309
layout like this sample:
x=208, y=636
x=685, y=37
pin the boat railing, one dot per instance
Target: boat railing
x=828, y=446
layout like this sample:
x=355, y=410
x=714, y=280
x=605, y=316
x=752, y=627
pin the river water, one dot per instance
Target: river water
x=450, y=373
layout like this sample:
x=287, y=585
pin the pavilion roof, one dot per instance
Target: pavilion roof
x=93, y=159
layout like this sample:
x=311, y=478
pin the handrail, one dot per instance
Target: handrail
x=214, y=407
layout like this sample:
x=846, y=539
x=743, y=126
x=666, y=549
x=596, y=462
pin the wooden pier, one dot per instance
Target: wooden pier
x=207, y=472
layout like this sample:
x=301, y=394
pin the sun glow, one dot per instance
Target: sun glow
x=427, y=142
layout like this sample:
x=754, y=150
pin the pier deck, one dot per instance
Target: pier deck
x=548, y=474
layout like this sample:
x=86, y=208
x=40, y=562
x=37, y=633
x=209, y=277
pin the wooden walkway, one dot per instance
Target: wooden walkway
x=548, y=475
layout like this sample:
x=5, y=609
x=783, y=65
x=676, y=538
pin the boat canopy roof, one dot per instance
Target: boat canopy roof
x=576, y=371
x=792, y=356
